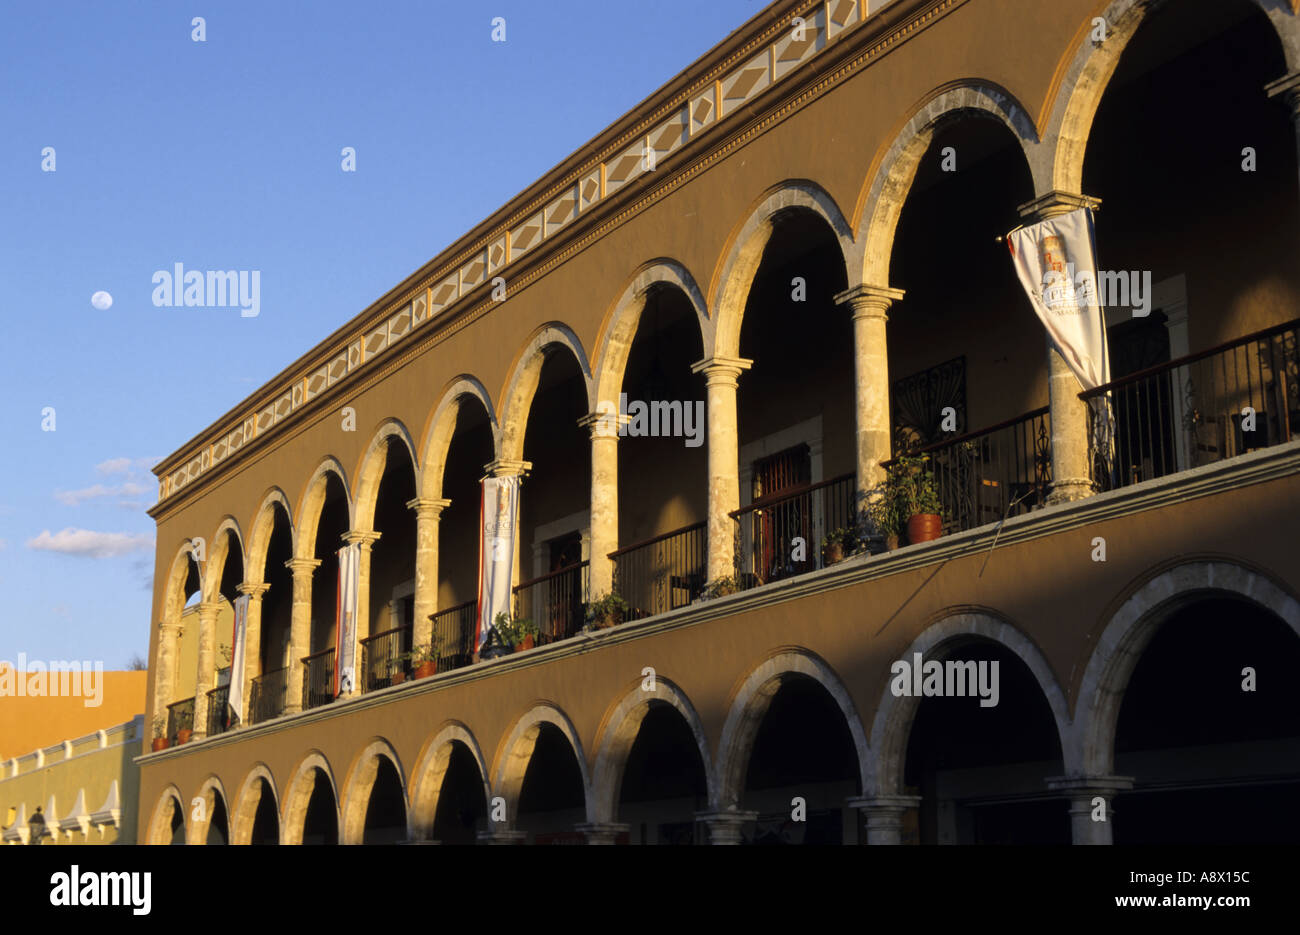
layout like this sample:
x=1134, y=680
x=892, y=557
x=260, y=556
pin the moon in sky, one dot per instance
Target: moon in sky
x=101, y=300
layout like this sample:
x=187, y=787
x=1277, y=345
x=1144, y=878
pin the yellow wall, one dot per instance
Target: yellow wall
x=27, y=723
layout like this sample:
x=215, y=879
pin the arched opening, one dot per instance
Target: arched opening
x=554, y=502
x=385, y=821
x=803, y=767
x=966, y=352
x=462, y=808
x=981, y=769
x=551, y=800
x=218, y=819
x=318, y=665
x=267, y=696
x=662, y=459
x=1177, y=290
x=392, y=572
x=321, y=820
x=266, y=820
x=664, y=782
x=175, y=822
x=791, y=439
x=231, y=576
x=1209, y=727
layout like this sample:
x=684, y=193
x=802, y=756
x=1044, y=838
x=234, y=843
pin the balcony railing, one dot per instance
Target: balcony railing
x=1198, y=409
x=661, y=573
x=180, y=716
x=268, y=696
x=983, y=476
x=318, y=679
x=218, y=710
x=766, y=530
x=453, y=633
x=555, y=602
x=381, y=658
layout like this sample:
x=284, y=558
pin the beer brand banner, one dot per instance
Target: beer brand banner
x=238, y=639
x=345, y=620
x=1056, y=261
x=498, y=512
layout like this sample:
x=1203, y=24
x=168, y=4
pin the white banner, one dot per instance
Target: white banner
x=238, y=639
x=345, y=620
x=1056, y=261
x=498, y=512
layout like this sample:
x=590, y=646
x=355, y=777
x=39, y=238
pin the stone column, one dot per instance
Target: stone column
x=602, y=832
x=206, y=676
x=1083, y=792
x=884, y=814
x=252, y=643
x=428, y=514
x=1287, y=90
x=164, y=680
x=725, y=826
x=1071, y=470
x=603, y=428
x=299, y=629
x=721, y=374
x=868, y=305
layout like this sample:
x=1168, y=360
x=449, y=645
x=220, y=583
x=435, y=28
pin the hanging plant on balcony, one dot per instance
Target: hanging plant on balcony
x=519, y=632
x=607, y=611
x=916, y=497
x=159, y=734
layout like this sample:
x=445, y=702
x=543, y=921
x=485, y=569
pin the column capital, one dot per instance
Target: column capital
x=721, y=371
x=1287, y=88
x=208, y=609
x=302, y=565
x=604, y=424
x=1090, y=785
x=365, y=538
x=254, y=591
x=169, y=628
x=1055, y=203
x=869, y=301
x=428, y=506
x=504, y=467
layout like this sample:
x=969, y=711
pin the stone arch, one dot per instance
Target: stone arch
x=889, y=180
x=312, y=502
x=370, y=470
x=1085, y=73
x=1132, y=627
x=750, y=703
x=620, y=324
x=515, y=753
x=259, y=539
x=160, y=828
x=431, y=769
x=734, y=275
x=358, y=785
x=622, y=725
x=442, y=426
x=517, y=399
x=299, y=792
x=892, y=726
x=174, y=593
x=242, y=818
x=218, y=552
x=212, y=788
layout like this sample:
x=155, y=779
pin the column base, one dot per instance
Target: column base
x=1071, y=489
x=884, y=814
x=725, y=826
x=1081, y=790
x=502, y=837
x=602, y=832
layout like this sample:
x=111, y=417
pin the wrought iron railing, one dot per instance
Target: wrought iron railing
x=984, y=476
x=318, y=679
x=381, y=658
x=661, y=573
x=780, y=536
x=556, y=603
x=454, y=630
x=180, y=716
x=1221, y=402
x=218, y=710
x=268, y=696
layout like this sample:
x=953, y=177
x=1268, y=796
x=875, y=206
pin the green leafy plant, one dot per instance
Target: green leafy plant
x=845, y=536
x=425, y=652
x=514, y=630
x=159, y=727
x=608, y=610
x=720, y=587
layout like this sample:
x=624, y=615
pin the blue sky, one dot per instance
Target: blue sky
x=225, y=154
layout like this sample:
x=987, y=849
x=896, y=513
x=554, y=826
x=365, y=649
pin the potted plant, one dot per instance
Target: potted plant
x=881, y=513
x=423, y=660
x=184, y=726
x=838, y=543
x=720, y=587
x=607, y=611
x=519, y=632
x=918, y=499
x=397, y=671
x=159, y=734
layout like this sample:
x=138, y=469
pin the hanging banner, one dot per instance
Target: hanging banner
x=1056, y=261
x=345, y=620
x=237, y=640
x=498, y=512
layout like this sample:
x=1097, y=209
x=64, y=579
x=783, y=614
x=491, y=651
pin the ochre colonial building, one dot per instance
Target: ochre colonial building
x=800, y=231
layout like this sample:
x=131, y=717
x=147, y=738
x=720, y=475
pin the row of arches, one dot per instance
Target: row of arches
x=1164, y=674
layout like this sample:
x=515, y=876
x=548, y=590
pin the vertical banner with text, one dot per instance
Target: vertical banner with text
x=345, y=632
x=238, y=638
x=499, y=510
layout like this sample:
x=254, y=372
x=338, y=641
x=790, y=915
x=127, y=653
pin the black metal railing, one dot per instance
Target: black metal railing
x=663, y=572
x=1219, y=403
x=267, y=698
x=454, y=630
x=780, y=535
x=180, y=716
x=556, y=602
x=218, y=710
x=318, y=679
x=381, y=658
x=982, y=476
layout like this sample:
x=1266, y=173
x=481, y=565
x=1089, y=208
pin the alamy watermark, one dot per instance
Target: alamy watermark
x=954, y=678
x=659, y=418
x=1112, y=289
x=57, y=679
x=212, y=288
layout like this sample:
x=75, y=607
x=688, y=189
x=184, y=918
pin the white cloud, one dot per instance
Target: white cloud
x=125, y=465
x=89, y=544
x=99, y=491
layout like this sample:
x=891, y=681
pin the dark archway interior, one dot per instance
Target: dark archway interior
x=177, y=823
x=462, y=809
x=266, y=821
x=663, y=780
x=218, y=822
x=469, y=452
x=551, y=798
x=329, y=539
x=320, y=824
x=392, y=557
x=277, y=602
x=385, y=821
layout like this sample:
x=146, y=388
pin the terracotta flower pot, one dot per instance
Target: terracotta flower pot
x=159, y=743
x=891, y=542
x=924, y=527
x=834, y=552
x=184, y=734
x=399, y=677
x=526, y=643
x=427, y=668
